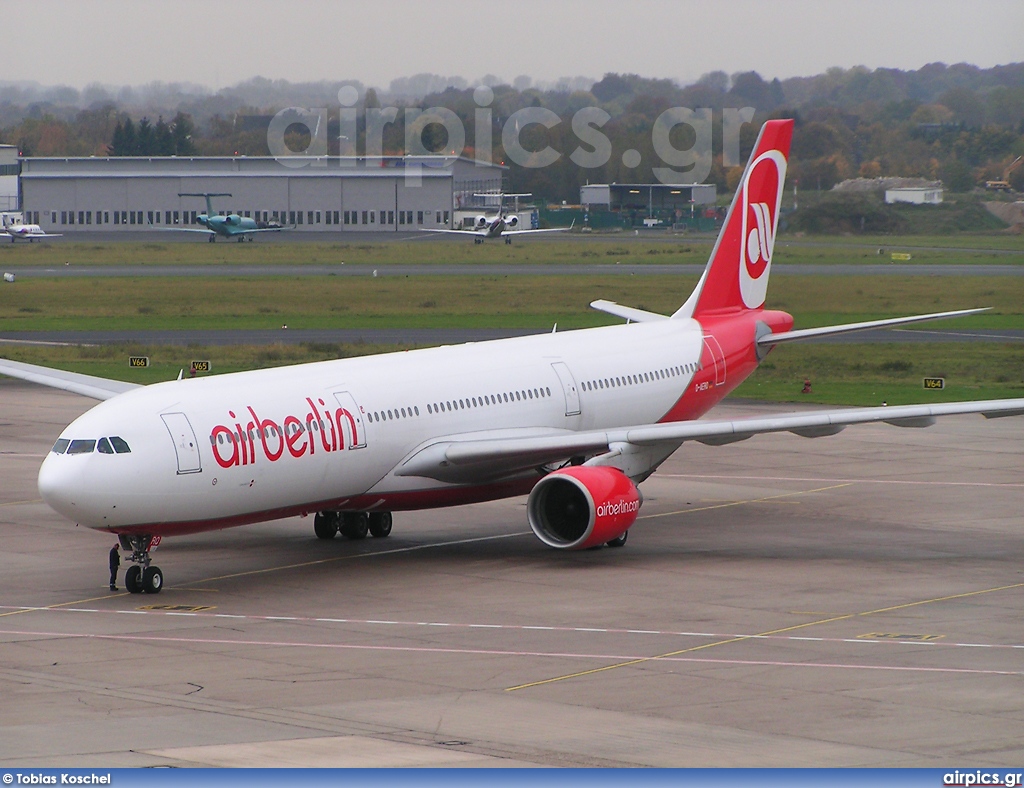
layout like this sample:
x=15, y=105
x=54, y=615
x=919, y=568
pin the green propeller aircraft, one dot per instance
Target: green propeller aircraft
x=231, y=226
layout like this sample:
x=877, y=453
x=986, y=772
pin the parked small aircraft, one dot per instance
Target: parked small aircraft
x=19, y=231
x=499, y=225
x=241, y=228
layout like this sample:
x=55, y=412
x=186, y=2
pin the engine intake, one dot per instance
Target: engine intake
x=579, y=507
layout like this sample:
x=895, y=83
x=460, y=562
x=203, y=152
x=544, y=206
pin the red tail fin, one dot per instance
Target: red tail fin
x=736, y=278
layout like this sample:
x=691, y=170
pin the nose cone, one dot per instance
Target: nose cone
x=57, y=485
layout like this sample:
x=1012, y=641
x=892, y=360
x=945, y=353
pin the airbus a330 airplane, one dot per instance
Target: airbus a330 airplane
x=241, y=228
x=500, y=225
x=576, y=419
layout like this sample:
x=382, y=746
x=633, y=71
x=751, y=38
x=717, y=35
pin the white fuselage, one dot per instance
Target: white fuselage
x=25, y=230
x=374, y=412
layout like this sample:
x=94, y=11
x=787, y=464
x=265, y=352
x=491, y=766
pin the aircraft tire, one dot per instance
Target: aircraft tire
x=133, y=580
x=618, y=541
x=355, y=525
x=325, y=525
x=380, y=524
x=152, y=580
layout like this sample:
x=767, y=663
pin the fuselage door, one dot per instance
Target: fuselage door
x=350, y=420
x=185, y=444
x=572, y=394
x=713, y=353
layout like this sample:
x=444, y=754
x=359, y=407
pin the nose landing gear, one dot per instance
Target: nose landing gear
x=141, y=578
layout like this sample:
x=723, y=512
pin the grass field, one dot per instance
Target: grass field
x=847, y=374
x=169, y=303
x=676, y=250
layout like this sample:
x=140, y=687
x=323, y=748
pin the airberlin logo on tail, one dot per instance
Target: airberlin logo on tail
x=762, y=197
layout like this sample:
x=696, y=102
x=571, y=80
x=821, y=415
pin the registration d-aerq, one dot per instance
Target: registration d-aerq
x=575, y=420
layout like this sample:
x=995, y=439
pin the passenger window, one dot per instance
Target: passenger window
x=82, y=447
x=119, y=445
x=103, y=447
x=61, y=446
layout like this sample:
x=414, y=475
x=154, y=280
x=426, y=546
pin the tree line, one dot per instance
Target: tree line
x=959, y=123
x=163, y=139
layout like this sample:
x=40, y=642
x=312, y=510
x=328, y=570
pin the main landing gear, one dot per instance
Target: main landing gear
x=352, y=525
x=142, y=577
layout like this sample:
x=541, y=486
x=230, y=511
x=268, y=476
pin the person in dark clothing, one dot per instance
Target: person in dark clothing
x=115, y=562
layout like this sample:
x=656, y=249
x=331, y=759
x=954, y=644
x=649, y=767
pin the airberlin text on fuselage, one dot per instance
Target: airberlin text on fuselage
x=240, y=445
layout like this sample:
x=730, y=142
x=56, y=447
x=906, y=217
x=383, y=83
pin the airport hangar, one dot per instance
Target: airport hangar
x=315, y=194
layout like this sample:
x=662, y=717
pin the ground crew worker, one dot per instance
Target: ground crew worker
x=115, y=562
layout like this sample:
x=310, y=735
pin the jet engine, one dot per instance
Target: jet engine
x=481, y=222
x=579, y=507
x=512, y=221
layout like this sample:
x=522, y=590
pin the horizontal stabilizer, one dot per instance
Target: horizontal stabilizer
x=845, y=328
x=627, y=312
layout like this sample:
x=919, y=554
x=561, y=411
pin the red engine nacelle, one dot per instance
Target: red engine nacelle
x=578, y=507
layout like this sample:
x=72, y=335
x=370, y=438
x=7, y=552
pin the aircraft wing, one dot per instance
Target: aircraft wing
x=474, y=458
x=31, y=236
x=86, y=385
x=463, y=233
x=546, y=230
x=183, y=230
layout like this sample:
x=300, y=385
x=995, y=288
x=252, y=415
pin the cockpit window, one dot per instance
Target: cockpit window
x=103, y=446
x=120, y=446
x=61, y=446
x=81, y=447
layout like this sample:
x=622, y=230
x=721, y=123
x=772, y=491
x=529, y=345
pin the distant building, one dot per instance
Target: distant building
x=9, y=168
x=649, y=203
x=916, y=195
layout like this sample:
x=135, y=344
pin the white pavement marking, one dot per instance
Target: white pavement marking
x=504, y=653
x=727, y=477
x=516, y=627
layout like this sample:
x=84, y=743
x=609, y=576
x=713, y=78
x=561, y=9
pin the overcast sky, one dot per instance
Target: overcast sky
x=216, y=44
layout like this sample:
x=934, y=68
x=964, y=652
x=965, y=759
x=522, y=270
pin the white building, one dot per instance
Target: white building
x=8, y=178
x=916, y=195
